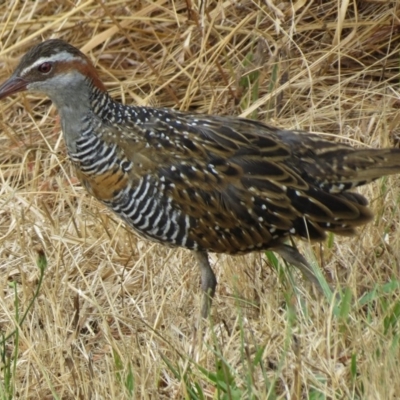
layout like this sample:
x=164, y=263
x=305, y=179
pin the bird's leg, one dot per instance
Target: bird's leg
x=208, y=282
x=292, y=256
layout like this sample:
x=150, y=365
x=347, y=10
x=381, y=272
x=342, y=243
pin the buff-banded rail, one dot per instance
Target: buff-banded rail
x=202, y=182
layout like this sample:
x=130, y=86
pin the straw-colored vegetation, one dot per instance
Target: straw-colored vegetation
x=115, y=314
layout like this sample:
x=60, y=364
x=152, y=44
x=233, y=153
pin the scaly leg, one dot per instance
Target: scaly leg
x=208, y=282
x=292, y=256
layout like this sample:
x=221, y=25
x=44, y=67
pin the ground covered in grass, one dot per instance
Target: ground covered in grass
x=90, y=311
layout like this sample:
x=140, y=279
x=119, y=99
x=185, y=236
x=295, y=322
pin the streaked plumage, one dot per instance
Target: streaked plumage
x=206, y=183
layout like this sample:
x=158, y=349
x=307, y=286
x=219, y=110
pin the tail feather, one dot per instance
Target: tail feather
x=337, y=172
x=374, y=163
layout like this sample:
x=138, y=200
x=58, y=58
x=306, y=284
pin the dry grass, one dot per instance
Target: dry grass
x=115, y=314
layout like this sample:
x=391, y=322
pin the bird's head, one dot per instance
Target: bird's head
x=54, y=68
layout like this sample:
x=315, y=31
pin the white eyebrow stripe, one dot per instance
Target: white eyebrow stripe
x=63, y=56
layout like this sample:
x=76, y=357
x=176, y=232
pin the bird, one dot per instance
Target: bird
x=207, y=183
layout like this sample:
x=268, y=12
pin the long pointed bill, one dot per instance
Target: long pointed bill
x=12, y=85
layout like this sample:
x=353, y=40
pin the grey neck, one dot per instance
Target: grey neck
x=74, y=106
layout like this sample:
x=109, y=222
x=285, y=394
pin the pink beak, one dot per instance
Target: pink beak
x=12, y=85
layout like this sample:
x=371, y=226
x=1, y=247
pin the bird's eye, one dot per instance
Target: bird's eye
x=45, y=68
